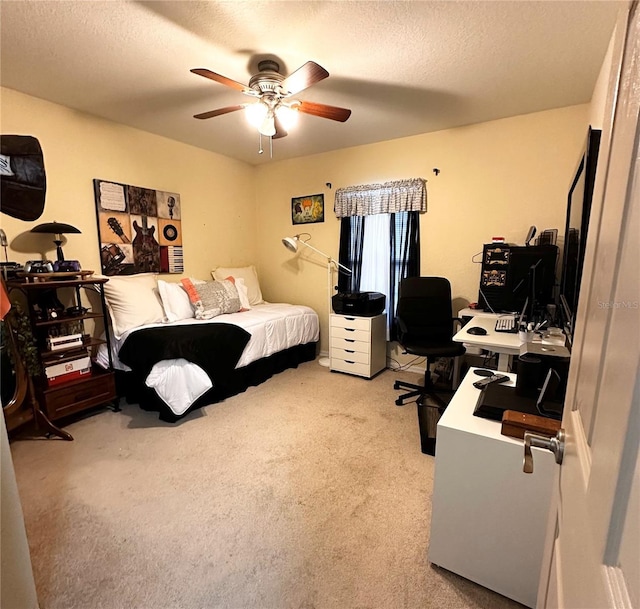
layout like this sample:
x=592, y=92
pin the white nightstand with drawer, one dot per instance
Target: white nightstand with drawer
x=358, y=344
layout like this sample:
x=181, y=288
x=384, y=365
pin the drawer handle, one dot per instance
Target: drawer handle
x=349, y=350
x=350, y=318
x=348, y=362
x=350, y=340
x=350, y=329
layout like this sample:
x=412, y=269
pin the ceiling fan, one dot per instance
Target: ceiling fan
x=273, y=111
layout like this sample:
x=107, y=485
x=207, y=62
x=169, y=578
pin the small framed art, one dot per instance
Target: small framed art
x=308, y=209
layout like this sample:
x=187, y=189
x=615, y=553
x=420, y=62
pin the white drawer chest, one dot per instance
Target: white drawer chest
x=358, y=344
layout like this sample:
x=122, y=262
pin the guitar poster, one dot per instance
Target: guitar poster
x=140, y=229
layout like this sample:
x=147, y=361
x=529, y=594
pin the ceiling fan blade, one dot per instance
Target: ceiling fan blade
x=222, y=79
x=219, y=111
x=280, y=130
x=305, y=76
x=324, y=111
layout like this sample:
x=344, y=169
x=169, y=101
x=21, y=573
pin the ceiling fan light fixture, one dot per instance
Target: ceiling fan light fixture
x=268, y=126
x=275, y=111
x=287, y=115
x=256, y=113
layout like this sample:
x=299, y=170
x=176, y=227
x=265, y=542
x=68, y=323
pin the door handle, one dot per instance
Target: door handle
x=554, y=444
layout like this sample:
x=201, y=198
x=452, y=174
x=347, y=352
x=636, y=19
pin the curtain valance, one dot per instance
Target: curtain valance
x=387, y=198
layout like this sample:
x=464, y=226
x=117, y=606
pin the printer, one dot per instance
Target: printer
x=360, y=304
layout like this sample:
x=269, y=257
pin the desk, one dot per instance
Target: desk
x=467, y=313
x=488, y=518
x=502, y=343
x=505, y=344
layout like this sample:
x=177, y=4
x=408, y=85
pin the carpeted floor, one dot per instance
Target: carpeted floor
x=309, y=491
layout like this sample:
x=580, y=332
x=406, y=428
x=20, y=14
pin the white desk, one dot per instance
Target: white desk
x=467, y=313
x=505, y=344
x=488, y=518
x=502, y=343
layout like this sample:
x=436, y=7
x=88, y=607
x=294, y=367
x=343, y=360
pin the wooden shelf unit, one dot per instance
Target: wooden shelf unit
x=48, y=318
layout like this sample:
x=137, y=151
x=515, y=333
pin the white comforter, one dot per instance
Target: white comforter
x=273, y=327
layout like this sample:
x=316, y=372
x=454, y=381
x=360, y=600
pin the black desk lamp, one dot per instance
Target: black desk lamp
x=57, y=229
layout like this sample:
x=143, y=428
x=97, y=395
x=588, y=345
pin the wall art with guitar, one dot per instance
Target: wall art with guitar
x=140, y=229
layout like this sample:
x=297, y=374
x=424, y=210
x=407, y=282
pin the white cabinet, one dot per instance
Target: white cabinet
x=358, y=345
x=488, y=518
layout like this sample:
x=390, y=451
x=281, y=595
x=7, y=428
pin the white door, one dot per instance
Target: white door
x=592, y=557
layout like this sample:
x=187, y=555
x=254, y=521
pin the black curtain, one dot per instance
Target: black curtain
x=404, y=236
x=350, y=253
x=405, y=258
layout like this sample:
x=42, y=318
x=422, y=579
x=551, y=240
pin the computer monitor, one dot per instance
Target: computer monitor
x=575, y=233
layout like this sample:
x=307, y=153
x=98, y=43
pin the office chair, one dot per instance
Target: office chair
x=425, y=325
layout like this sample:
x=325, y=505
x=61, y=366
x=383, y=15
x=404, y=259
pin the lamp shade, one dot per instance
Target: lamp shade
x=291, y=243
x=54, y=228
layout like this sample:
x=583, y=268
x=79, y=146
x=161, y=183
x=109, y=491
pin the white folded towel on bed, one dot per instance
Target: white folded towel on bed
x=179, y=383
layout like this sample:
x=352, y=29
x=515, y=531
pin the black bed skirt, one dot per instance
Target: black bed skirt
x=134, y=390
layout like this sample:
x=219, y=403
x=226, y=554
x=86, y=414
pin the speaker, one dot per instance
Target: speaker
x=529, y=371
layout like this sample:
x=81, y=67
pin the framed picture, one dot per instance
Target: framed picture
x=307, y=210
x=140, y=229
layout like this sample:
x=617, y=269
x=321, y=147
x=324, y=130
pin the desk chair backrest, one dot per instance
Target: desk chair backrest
x=424, y=312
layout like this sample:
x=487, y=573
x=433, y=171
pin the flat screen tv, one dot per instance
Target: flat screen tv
x=576, y=229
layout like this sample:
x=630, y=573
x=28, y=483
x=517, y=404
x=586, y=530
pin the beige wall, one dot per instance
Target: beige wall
x=497, y=178
x=599, y=97
x=217, y=193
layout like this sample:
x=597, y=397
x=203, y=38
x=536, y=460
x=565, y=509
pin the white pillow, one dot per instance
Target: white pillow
x=132, y=301
x=248, y=273
x=243, y=293
x=175, y=301
x=179, y=383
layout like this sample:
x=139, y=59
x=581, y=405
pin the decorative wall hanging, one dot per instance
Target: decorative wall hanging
x=139, y=229
x=306, y=210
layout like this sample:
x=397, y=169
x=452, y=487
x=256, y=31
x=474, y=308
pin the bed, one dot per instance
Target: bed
x=174, y=352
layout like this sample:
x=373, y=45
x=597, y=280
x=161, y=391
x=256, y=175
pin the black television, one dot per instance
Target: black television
x=576, y=228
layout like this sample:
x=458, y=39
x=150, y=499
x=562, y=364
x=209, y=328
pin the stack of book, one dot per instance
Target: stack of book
x=68, y=370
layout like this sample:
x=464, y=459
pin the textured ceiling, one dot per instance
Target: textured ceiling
x=402, y=67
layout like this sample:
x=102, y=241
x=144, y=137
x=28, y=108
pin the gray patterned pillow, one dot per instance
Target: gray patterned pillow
x=213, y=298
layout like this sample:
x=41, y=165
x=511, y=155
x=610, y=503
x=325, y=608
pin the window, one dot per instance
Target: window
x=380, y=237
x=381, y=249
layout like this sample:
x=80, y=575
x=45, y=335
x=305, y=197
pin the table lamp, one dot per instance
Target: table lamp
x=57, y=229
